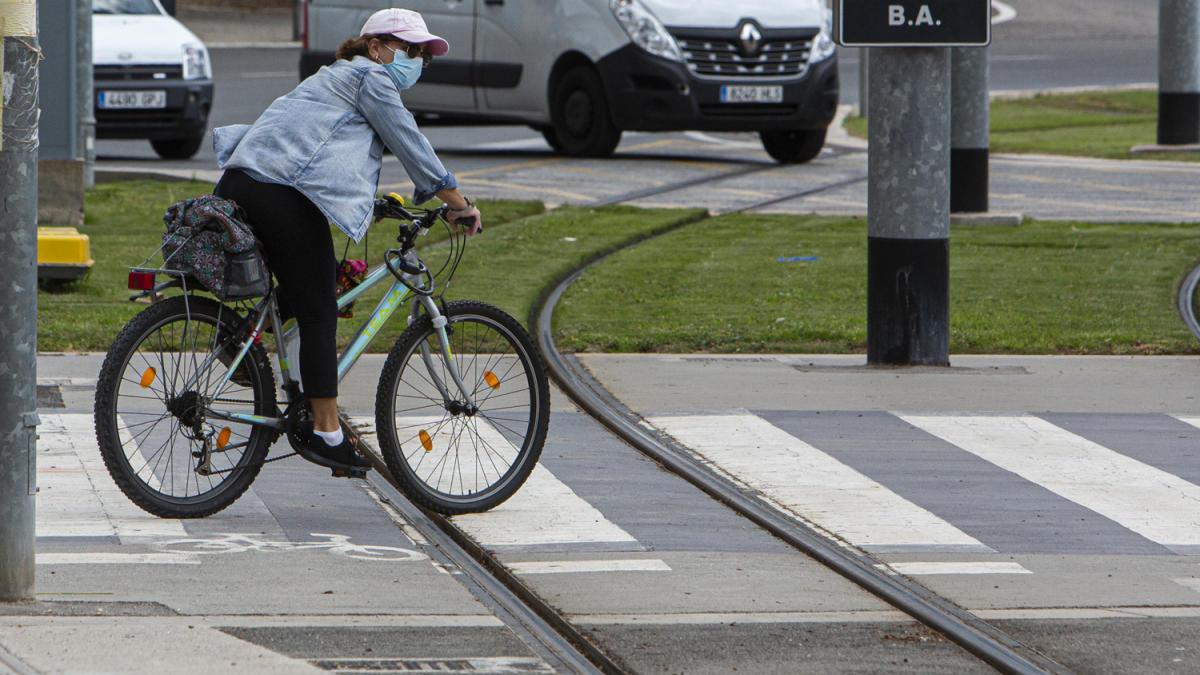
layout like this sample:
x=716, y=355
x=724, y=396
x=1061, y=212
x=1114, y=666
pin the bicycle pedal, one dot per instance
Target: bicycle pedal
x=349, y=473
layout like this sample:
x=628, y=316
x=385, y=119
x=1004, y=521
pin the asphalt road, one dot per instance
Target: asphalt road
x=1065, y=43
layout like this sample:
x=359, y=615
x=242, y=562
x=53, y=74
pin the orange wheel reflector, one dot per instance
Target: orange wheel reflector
x=223, y=438
x=491, y=379
x=148, y=377
x=426, y=440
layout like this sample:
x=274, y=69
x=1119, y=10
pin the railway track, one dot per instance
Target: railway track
x=564, y=646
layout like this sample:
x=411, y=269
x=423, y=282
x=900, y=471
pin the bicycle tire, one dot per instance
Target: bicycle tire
x=261, y=378
x=459, y=314
x=1187, y=301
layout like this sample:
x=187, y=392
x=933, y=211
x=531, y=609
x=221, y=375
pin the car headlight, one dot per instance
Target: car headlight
x=645, y=29
x=196, y=65
x=823, y=45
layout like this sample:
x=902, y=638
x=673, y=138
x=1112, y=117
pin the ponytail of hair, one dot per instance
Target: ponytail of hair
x=355, y=46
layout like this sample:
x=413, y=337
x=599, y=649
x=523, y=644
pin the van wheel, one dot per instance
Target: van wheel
x=793, y=147
x=551, y=138
x=178, y=148
x=579, y=112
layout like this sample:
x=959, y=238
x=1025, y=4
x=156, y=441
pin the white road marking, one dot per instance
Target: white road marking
x=582, y=566
x=807, y=482
x=1189, y=582
x=1157, y=505
x=81, y=499
x=97, y=558
x=544, y=512
x=928, y=568
x=145, y=469
x=1003, y=12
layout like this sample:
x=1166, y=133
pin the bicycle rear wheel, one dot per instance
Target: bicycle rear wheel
x=1188, y=301
x=445, y=456
x=149, y=414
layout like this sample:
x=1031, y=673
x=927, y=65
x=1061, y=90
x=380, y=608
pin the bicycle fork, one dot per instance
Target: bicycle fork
x=441, y=328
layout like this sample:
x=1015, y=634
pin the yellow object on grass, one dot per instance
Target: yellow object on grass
x=63, y=253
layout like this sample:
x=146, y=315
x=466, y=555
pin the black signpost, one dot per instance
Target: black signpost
x=908, y=200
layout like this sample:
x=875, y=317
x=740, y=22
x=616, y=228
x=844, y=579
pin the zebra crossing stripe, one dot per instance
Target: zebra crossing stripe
x=1157, y=505
x=914, y=569
x=544, y=513
x=83, y=486
x=813, y=485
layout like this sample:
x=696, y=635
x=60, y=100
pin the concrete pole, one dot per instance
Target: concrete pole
x=86, y=96
x=864, y=77
x=18, y=296
x=908, y=208
x=970, y=108
x=1179, y=72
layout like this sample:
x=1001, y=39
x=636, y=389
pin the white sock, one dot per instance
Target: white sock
x=331, y=438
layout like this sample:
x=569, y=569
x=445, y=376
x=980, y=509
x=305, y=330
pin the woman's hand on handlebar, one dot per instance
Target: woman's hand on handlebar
x=462, y=211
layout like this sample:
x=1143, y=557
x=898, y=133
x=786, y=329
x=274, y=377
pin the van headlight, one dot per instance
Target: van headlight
x=823, y=45
x=645, y=29
x=196, y=65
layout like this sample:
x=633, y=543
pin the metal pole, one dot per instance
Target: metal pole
x=18, y=296
x=908, y=208
x=864, y=78
x=970, y=108
x=1179, y=72
x=86, y=97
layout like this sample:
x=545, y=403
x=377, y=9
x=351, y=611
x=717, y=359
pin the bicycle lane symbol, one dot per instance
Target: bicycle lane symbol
x=337, y=544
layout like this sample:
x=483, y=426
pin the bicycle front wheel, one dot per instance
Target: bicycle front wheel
x=1188, y=301
x=446, y=455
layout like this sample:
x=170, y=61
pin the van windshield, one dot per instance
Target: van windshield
x=124, y=7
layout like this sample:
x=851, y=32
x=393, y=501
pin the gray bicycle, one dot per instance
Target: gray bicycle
x=186, y=407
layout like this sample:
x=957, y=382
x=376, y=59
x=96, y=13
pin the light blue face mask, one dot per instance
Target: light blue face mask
x=404, y=71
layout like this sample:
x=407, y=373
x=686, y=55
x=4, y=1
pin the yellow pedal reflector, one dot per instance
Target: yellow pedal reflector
x=426, y=440
x=396, y=198
x=223, y=438
x=148, y=377
x=491, y=379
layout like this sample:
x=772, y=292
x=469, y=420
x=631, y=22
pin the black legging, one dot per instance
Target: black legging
x=295, y=236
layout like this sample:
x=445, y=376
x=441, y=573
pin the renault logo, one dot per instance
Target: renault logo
x=751, y=38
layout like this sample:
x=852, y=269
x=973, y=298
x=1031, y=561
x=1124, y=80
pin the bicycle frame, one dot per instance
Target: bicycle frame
x=400, y=290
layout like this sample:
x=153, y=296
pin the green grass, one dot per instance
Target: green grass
x=1095, y=124
x=510, y=266
x=1044, y=288
x=124, y=222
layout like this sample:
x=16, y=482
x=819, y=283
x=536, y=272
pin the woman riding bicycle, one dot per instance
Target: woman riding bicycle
x=313, y=158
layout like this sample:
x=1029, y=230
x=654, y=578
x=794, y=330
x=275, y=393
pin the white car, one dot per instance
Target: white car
x=153, y=77
x=583, y=71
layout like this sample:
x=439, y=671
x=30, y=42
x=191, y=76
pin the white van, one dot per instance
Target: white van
x=153, y=77
x=583, y=71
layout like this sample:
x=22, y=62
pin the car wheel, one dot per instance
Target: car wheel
x=793, y=147
x=579, y=112
x=178, y=148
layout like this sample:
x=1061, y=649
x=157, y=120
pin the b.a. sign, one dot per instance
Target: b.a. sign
x=914, y=23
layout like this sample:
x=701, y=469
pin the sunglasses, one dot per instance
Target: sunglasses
x=411, y=51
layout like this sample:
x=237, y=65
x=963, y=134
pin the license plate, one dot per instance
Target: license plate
x=737, y=93
x=133, y=99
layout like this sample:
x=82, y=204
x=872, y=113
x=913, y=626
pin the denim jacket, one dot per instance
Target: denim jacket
x=325, y=138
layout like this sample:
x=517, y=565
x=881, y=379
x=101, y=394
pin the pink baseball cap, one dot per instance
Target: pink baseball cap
x=406, y=25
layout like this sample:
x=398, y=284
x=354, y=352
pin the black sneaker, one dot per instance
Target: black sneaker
x=343, y=453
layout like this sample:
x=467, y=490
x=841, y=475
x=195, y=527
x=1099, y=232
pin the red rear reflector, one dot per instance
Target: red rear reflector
x=141, y=281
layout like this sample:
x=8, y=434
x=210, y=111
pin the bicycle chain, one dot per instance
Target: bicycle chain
x=251, y=466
